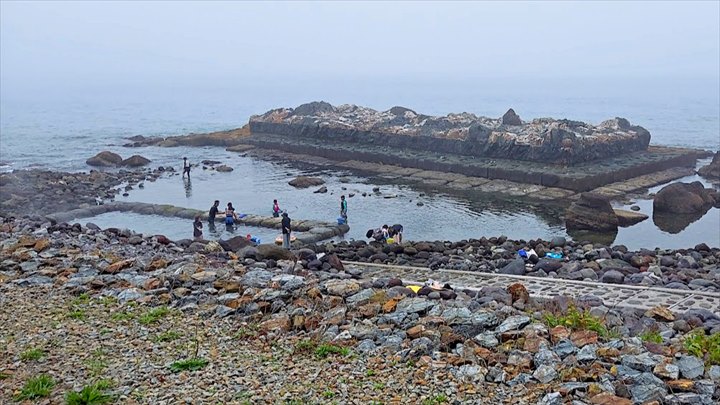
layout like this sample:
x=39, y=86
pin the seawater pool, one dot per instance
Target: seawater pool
x=254, y=183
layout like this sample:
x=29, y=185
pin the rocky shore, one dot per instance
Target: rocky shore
x=155, y=321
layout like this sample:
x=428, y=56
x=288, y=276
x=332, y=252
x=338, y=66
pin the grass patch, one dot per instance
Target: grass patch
x=168, y=336
x=4, y=376
x=651, y=336
x=97, y=364
x=32, y=354
x=437, y=399
x=576, y=320
x=78, y=314
x=121, y=316
x=369, y=373
x=154, y=315
x=81, y=299
x=325, y=350
x=703, y=346
x=90, y=395
x=327, y=394
x=36, y=387
x=305, y=346
x=193, y=364
x=378, y=386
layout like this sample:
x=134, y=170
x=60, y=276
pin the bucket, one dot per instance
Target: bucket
x=341, y=221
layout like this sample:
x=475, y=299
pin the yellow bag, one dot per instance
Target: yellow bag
x=390, y=241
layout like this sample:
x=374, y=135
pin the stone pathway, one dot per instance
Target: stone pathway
x=613, y=295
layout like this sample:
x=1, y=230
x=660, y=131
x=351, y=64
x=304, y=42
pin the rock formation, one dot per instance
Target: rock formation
x=684, y=198
x=712, y=170
x=543, y=140
x=104, y=159
x=305, y=182
x=591, y=212
x=135, y=161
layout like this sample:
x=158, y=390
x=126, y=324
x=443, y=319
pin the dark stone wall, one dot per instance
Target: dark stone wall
x=478, y=143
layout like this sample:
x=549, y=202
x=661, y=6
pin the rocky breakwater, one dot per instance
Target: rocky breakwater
x=41, y=192
x=496, y=344
x=544, y=140
x=697, y=268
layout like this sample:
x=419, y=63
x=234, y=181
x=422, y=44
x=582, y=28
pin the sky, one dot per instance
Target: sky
x=213, y=43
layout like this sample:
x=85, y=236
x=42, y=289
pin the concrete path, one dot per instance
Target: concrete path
x=613, y=295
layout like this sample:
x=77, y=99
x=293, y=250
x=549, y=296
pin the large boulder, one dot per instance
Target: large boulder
x=305, y=182
x=591, y=212
x=684, y=198
x=135, y=161
x=275, y=252
x=104, y=159
x=713, y=169
x=235, y=244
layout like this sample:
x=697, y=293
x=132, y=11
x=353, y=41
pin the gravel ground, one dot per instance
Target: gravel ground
x=85, y=340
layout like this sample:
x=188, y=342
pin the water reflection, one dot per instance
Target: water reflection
x=676, y=223
x=188, y=187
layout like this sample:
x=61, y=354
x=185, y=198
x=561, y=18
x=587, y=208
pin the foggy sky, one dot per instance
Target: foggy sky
x=135, y=43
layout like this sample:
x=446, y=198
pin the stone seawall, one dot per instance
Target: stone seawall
x=582, y=178
x=312, y=231
x=478, y=145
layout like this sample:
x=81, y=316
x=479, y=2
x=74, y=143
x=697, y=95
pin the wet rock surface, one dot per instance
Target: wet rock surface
x=266, y=325
x=711, y=170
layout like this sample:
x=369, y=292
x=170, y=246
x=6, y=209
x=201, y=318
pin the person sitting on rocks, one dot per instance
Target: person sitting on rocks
x=186, y=167
x=376, y=234
x=197, y=228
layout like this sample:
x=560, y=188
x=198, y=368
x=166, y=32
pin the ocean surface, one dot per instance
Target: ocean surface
x=60, y=130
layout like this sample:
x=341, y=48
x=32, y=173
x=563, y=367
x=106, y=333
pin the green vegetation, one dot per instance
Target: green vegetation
x=437, y=399
x=32, y=354
x=168, y=336
x=192, y=364
x=305, y=346
x=378, y=386
x=97, y=364
x=576, y=320
x=325, y=350
x=81, y=299
x=369, y=373
x=651, y=336
x=247, y=331
x=121, y=316
x=701, y=345
x=90, y=395
x=36, y=387
x=154, y=315
x=4, y=376
x=327, y=394
x=78, y=314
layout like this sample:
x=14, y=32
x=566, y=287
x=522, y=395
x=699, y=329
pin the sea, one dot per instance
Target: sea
x=58, y=129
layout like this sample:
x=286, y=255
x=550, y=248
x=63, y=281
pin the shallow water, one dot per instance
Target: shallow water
x=175, y=228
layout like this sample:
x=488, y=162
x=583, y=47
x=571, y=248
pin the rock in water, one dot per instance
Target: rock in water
x=305, y=182
x=135, y=161
x=713, y=169
x=684, y=198
x=272, y=251
x=104, y=158
x=628, y=218
x=224, y=168
x=510, y=118
x=591, y=212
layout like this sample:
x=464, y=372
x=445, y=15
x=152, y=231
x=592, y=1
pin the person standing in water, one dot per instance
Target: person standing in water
x=197, y=228
x=186, y=168
x=343, y=207
x=213, y=211
x=276, y=209
x=230, y=215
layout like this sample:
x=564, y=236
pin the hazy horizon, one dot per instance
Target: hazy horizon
x=53, y=47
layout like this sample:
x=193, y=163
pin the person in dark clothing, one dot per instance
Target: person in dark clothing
x=213, y=211
x=197, y=228
x=396, y=232
x=186, y=167
x=286, y=230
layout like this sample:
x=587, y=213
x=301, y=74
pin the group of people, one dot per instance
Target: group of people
x=387, y=234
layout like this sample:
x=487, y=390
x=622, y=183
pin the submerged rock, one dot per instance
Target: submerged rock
x=305, y=182
x=591, y=212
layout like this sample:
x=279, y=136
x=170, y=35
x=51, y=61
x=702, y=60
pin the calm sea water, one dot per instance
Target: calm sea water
x=61, y=130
